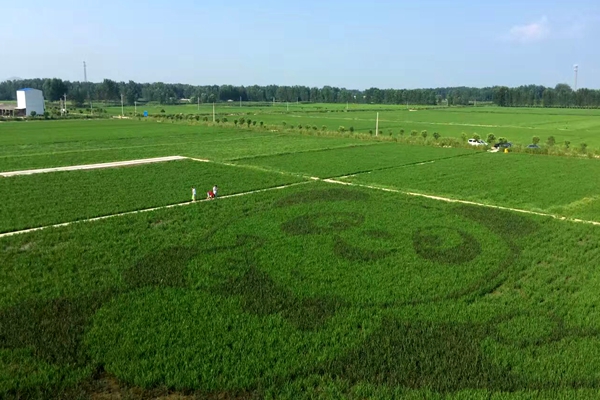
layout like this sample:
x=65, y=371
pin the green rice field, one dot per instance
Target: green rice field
x=320, y=273
x=518, y=125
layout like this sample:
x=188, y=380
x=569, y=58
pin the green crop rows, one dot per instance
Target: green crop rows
x=44, y=199
x=304, y=291
x=317, y=290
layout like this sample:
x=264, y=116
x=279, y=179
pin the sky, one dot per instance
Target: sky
x=352, y=44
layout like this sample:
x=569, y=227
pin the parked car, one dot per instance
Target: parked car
x=533, y=146
x=477, y=142
x=506, y=145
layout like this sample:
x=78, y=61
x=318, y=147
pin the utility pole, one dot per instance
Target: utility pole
x=65, y=103
x=87, y=87
x=576, y=69
x=135, y=105
x=273, y=101
x=198, y=102
x=122, y=111
x=377, y=125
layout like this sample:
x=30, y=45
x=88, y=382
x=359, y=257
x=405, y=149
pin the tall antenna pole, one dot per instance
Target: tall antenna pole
x=576, y=68
x=377, y=125
x=87, y=87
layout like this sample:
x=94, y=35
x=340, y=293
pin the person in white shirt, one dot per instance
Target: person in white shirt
x=215, y=188
x=193, y=194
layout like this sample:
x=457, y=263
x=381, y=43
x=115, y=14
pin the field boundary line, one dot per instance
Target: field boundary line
x=285, y=153
x=114, y=164
x=122, y=214
x=255, y=167
x=468, y=202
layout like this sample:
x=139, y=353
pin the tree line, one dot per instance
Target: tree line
x=80, y=93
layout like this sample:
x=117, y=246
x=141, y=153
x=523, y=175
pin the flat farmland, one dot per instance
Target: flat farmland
x=30, y=201
x=351, y=160
x=556, y=185
x=43, y=144
x=517, y=125
x=320, y=289
x=300, y=293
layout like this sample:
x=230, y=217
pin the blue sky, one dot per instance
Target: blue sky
x=386, y=44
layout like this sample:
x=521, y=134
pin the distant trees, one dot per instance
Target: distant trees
x=54, y=89
x=77, y=98
x=165, y=93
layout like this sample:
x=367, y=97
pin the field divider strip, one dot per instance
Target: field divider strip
x=122, y=214
x=468, y=202
x=411, y=164
x=92, y=166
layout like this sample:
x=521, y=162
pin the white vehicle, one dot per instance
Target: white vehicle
x=477, y=142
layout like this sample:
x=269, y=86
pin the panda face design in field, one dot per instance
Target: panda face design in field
x=411, y=254
x=326, y=274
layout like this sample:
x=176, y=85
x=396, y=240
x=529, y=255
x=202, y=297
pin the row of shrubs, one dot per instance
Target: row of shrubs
x=551, y=146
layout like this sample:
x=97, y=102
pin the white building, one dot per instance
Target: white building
x=30, y=100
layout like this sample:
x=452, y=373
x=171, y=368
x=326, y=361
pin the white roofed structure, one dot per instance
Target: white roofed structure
x=30, y=100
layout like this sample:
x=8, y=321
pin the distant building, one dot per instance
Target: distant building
x=29, y=100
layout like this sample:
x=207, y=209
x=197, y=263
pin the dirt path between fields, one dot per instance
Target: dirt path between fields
x=473, y=203
x=186, y=203
x=92, y=166
x=308, y=180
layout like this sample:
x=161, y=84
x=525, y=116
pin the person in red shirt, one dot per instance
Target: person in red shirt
x=210, y=195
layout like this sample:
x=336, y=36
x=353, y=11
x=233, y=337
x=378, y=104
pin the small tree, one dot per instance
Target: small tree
x=253, y=123
x=463, y=137
x=535, y=139
x=401, y=132
x=162, y=110
x=567, y=144
x=371, y=132
x=351, y=129
x=491, y=138
x=284, y=124
x=315, y=128
x=261, y=124
x=249, y=122
x=476, y=136
x=218, y=121
x=235, y=121
x=551, y=141
x=583, y=147
x=323, y=128
x=413, y=133
x=390, y=133
x=342, y=129
x=224, y=119
x=380, y=132
x=299, y=126
x=436, y=135
x=502, y=140
x=33, y=114
x=205, y=119
x=424, y=134
x=242, y=121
